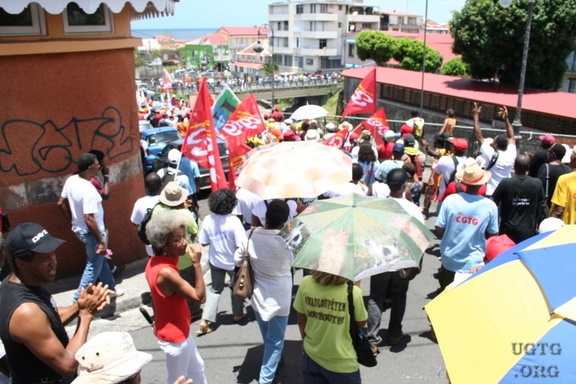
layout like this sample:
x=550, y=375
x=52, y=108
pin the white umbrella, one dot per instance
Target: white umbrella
x=308, y=112
x=294, y=169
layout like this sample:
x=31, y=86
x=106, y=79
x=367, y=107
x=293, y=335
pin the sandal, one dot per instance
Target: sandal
x=204, y=330
x=375, y=349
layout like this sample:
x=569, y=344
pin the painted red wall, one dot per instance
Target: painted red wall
x=56, y=107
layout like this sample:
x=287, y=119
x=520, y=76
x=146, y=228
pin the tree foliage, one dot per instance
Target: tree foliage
x=374, y=45
x=270, y=67
x=455, y=67
x=491, y=39
x=380, y=47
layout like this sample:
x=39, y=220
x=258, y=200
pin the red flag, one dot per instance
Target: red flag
x=245, y=122
x=363, y=99
x=200, y=144
x=338, y=139
x=377, y=124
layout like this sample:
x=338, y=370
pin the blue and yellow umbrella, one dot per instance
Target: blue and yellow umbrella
x=514, y=321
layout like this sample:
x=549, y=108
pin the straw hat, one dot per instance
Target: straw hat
x=473, y=174
x=345, y=126
x=173, y=194
x=109, y=358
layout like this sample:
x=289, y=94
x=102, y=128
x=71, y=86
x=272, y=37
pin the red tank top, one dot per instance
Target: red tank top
x=172, y=316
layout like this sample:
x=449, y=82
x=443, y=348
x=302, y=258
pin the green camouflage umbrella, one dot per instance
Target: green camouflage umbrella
x=356, y=236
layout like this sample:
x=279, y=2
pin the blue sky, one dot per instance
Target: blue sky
x=218, y=13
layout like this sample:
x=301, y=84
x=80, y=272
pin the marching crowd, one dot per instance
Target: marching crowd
x=489, y=201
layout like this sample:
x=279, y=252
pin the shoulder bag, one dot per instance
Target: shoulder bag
x=243, y=284
x=364, y=353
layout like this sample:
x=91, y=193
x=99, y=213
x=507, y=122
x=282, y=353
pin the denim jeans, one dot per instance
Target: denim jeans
x=183, y=359
x=273, y=332
x=313, y=373
x=383, y=285
x=96, y=265
x=213, y=295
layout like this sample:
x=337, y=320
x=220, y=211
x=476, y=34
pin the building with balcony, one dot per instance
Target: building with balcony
x=402, y=22
x=311, y=35
x=569, y=82
x=68, y=71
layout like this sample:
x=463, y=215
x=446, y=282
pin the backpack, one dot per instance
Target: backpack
x=143, y=223
x=170, y=176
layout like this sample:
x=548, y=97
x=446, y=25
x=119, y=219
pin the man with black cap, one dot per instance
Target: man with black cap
x=393, y=285
x=81, y=204
x=31, y=326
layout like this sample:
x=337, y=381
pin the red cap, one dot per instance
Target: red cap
x=289, y=135
x=547, y=139
x=406, y=129
x=496, y=245
x=459, y=144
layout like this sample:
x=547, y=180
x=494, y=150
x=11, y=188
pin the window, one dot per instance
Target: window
x=312, y=26
x=299, y=9
x=339, y=24
x=571, y=61
x=322, y=43
x=77, y=21
x=572, y=86
x=323, y=8
x=351, y=50
x=309, y=61
x=366, y=25
x=30, y=22
x=312, y=8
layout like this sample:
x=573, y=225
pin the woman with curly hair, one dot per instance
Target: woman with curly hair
x=166, y=232
x=225, y=233
x=324, y=323
x=367, y=159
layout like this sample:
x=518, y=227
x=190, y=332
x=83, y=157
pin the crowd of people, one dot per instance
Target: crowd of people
x=497, y=192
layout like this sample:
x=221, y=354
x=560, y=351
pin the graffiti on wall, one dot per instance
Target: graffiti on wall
x=28, y=147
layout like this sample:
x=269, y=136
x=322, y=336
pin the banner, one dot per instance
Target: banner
x=223, y=107
x=363, y=99
x=245, y=122
x=338, y=139
x=376, y=124
x=201, y=144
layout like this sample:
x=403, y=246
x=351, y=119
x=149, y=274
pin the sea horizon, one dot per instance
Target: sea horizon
x=176, y=33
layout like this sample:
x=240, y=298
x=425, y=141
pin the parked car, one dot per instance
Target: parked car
x=144, y=125
x=155, y=140
x=204, y=181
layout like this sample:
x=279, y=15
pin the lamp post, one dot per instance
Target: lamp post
x=517, y=123
x=423, y=58
x=258, y=48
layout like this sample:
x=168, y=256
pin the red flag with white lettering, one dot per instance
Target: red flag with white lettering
x=376, y=124
x=245, y=122
x=363, y=99
x=200, y=144
x=338, y=139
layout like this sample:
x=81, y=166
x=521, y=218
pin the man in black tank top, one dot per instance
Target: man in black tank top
x=31, y=326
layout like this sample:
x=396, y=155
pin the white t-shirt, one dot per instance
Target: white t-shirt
x=380, y=189
x=445, y=167
x=225, y=234
x=84, y=199
x=271, y=263
x=139, y=211
x=260, y=209
x=345, y=189
x=410, y=208
x=503, y=167
x=246, y=202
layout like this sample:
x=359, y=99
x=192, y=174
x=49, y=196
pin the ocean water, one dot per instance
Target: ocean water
x=188, y=34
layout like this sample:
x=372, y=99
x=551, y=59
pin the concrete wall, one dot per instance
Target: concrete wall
x=57, y=106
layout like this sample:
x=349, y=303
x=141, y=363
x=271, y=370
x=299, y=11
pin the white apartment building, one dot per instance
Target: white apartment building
x=312, y=35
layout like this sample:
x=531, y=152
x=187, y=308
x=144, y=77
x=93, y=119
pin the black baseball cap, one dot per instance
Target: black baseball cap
x=31, y=237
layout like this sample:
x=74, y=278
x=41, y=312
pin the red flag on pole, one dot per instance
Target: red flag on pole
x=245, y=122
x=376, y=124
x=363, y=99
x=200, y=143
x=338, y=139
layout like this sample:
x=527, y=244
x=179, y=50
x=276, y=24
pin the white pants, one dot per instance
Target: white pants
x=183, y=359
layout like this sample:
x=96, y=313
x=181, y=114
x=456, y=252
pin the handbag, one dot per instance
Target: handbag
x=364, y=353
x=243, y=283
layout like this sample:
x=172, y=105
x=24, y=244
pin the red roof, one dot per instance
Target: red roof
x=245, y=31
x=539, y=101
x=212, y=39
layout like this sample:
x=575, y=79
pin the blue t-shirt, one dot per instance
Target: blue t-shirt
x=190, y=169
x=466, y=219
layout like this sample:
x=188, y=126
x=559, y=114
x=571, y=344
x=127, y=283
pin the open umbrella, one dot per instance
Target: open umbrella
x=294, y=169
x=356, y=236
x=308, y=112
x=514, y=320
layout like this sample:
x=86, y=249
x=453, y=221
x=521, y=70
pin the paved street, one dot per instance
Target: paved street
x=233, y=353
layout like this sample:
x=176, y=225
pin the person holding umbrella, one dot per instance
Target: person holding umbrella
x=324, y=324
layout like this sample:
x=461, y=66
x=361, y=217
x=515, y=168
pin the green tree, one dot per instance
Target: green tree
x=491, y=38
x=455, y=67
x=270, y=67
x=409, y=54
x=375, y=45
